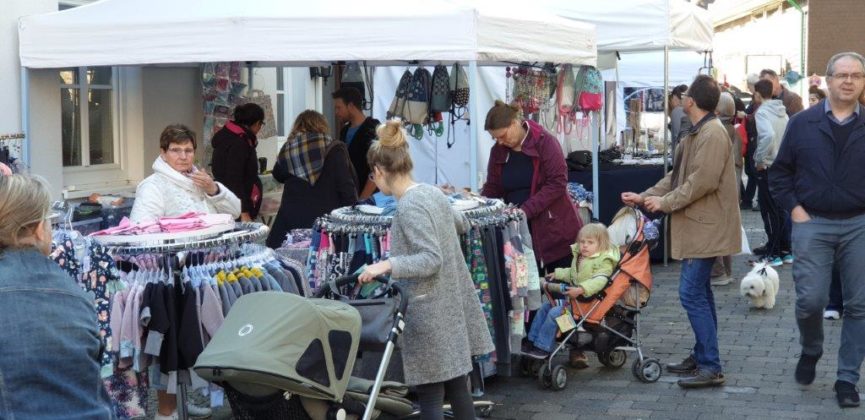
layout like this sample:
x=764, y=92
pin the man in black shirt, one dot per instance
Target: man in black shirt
x=357, y=132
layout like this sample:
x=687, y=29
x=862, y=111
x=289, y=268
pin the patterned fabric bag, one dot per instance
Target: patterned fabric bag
x=459, y=86
x=397, y=106
x=417, y=101
x=440, y=99
x=531, y=88
x=352, y=77
x=590, y=89
x=565, y=99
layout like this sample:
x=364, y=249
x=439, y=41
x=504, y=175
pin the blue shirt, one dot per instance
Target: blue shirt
x=349, y=135
x=828, y=109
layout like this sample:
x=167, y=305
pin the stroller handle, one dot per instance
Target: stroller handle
x=347, y=280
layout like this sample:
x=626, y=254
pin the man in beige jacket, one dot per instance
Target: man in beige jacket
x=701, y=196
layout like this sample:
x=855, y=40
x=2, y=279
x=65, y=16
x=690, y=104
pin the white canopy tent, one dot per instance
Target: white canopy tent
x=268, y=32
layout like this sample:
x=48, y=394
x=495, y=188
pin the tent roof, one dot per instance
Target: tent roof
x=136, y=32
x=640, y=25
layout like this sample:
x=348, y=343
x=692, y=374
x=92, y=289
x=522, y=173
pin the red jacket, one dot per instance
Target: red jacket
x=550, y=211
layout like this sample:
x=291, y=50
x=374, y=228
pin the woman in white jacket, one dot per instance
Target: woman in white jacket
x=177, y=186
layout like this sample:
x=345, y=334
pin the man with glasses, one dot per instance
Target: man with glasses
x=817, y=177
x=701, y=196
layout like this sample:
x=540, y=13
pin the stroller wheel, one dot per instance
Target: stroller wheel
x=648, y=371
x=545, y=377
x=613, y=359
x=559, y=377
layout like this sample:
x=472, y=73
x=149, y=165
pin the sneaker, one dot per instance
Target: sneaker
x=161, y=417
x=847, y=394
x=806, y=369
x=702, y=379
x=831, y=314
x=760, y=250
x=578, y=360
x=536, y=353
x=686, y=366
x=773, y=261
x=788, y=259
x=721, y=280
x=198, y=412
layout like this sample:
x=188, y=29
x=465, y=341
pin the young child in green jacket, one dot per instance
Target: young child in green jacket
x=595, y=258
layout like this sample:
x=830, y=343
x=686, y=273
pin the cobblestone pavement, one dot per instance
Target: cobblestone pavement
x=759, y=350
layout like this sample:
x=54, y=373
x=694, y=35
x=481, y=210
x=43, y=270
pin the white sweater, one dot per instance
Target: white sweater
x=168, y=193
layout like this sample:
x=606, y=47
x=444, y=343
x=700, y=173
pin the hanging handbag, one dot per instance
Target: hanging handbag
x=565, y=97
x=590, y=88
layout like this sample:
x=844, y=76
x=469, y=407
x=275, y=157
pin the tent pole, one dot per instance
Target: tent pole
x=25, y=116
x=666, y=141
x=596, y=148
x=473, y=117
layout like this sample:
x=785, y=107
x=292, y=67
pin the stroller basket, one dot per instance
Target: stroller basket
x=274, y=406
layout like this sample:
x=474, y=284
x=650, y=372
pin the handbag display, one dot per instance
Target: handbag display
x=590, y=88
x=397, y=105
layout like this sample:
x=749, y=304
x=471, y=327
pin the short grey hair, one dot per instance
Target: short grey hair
x=753, y=78
x=726, y=105
x=830, y=68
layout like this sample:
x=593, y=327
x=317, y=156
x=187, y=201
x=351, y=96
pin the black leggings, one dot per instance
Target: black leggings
x=431, y=398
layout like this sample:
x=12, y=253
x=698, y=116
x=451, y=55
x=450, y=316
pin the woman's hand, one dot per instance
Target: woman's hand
x=202, y=180
x=372, y=271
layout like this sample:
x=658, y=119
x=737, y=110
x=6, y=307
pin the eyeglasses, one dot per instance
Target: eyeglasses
x=180, y=152
x=848, y=76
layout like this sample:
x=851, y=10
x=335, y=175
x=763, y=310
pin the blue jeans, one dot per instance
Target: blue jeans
x=695, y=293
x=823, y=243
x=836, y=299
x=544, y=327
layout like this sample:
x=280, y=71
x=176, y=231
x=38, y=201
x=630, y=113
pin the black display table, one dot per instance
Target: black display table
x=616, y=179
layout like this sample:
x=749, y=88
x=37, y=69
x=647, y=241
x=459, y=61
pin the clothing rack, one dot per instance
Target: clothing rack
x=245, y=232
x=350, y=219
x=173, y=249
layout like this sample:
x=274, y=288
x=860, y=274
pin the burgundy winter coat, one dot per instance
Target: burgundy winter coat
x=551, y=213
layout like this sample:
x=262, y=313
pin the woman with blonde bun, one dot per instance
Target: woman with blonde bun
x=445, y=327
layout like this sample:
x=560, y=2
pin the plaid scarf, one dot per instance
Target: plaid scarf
x=305, y=154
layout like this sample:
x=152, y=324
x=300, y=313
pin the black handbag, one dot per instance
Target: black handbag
x=377, y=314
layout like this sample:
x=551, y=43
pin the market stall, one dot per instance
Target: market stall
x=269, y=32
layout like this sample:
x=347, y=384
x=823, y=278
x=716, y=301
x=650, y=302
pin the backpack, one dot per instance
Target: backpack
x=440, y=98
x=590, y=89
x=458, y=84
x=417, y=102
x=531, y=88
x=397, y=105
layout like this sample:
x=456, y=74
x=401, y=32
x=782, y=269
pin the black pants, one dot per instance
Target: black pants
x=749, y=189
x=431, y=398
x=773, y=216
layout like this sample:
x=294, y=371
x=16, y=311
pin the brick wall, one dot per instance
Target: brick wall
x=834, y=26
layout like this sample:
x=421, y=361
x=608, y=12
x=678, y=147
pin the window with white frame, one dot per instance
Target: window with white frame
x=89, y=121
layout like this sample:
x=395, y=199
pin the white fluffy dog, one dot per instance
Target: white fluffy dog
x=761, y=286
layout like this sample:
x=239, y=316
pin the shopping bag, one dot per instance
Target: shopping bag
x=746, y=247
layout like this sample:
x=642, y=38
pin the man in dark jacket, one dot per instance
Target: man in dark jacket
x=357, y=132
x=817, y=176
x=235, y=160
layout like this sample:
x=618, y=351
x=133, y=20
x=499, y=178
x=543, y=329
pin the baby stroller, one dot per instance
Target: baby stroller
x=608, y=322
x=280, y=356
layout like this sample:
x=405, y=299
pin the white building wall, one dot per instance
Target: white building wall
x=771, y=38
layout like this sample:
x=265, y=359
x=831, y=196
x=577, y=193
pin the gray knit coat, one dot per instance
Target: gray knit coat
x=444, y=322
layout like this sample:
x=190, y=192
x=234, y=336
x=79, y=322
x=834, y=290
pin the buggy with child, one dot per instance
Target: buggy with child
x=603, y=318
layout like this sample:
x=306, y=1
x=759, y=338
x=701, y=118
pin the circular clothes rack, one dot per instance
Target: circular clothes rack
x=352, y=215
x=240, y=233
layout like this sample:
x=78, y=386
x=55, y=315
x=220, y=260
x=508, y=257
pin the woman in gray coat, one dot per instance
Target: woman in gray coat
x=444, y=324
